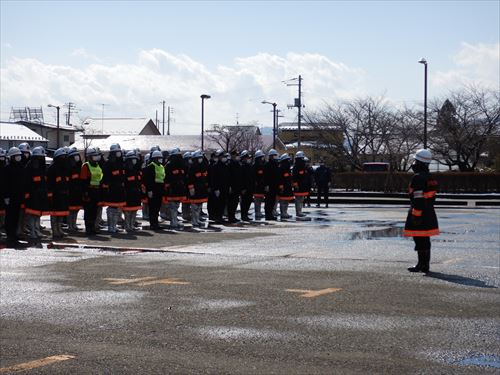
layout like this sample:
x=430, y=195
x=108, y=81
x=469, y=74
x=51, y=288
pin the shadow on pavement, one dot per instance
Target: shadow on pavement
x=462, y=280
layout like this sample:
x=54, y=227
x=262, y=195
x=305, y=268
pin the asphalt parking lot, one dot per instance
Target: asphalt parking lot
x=327, y=296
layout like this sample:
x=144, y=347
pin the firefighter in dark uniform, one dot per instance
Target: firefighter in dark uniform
x=323, y=177
x=300, y=178
x=154, y=179
x=246, y=184
x=25, y=149
x=285, y=186
x=186, y=206
x=3, y=164
x=57, y=183
x=145, y=205
x=133, y=191
x=235, y=186
x=14, y=194
x=271, y=176
x=75, y=188
x=36, y=203
x=210, y=204
x=175, y=186
x=197, y=183
x=113, y=183
x=422, y=223
x=219, y=185
x=91, y=178
x=258, y=183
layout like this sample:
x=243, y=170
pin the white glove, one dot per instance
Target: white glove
x=230, y=190
x=266, y=188
x=217, y=193
x=7, y=201
x=191, y=191
x=150, y=194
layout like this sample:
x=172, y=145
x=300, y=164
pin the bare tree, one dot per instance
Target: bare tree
x=463, y=125
x=236, y=138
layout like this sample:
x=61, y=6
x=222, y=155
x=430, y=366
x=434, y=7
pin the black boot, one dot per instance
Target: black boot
x=418, y=267
x=426, y=258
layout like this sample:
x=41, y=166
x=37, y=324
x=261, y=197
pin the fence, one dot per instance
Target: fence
x=449, y=182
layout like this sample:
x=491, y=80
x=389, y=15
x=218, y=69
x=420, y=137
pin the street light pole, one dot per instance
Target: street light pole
x=58, y=108
x=274, y=121
x=203, y=97
x=424, y=61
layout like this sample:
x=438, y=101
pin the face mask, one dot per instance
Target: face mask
x=248, y=161
x=134, y=161
x=26, y=155
x=223, y=160
x=190, y=161
x=160, y=161
x=237, y=158
x=18, y=158
x=119, y=154
x=96, y=158
x=77, y=157
x=200, y=160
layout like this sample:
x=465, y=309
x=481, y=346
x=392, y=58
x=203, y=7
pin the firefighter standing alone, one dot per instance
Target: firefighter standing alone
x=422, y=223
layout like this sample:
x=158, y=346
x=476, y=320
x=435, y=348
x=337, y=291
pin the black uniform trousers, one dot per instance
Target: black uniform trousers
x=246, y=201
x=90, y=203
x=232, y=204
x=11, y=219
x=219, y=205
x=269, y=203
x=154, y=210
x=322, y=193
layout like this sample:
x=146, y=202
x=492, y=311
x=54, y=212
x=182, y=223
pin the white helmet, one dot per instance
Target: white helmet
x=115, y=147
x=219, y=152
x=423, y=155
x=187, y=155
x=59, y=152
x=244, y=153
x=2, y=152
x=73, y=151
x=146, y=158
x=259, y=154
x=156, y=155
x=91, y=151
x=13, y=151
x=131, y=155
x=38, y=151
x=154, y=148
x=300, y=155
x=197, y=154
x=272, y=152
x=284, y=157
x=24, y=147
x=175, y=151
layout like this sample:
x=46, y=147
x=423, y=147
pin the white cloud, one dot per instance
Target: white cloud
x=7, y=45
x=475, y=63
x=82, y=52
x=136, y=89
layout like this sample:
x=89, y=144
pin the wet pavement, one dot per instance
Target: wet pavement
x=329, y=295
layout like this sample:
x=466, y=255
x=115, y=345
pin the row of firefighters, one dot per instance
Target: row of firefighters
x=128, y=181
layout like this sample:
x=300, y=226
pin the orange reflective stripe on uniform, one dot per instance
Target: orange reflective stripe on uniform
x=175, y=171
x=199, y=174
x=115, y=172
x=420, y=233
x=302, y=172
x=131, y=178
x=429, y=194
x=58, y=179
x=416, y=212
x=75, y=176
x=37, y=179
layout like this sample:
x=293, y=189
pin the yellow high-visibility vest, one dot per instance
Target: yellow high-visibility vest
x=95, y=174
x=159, y=173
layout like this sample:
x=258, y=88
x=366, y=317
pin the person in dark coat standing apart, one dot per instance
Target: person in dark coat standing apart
x=322, y=177
x=154, y=179
x=13, y=194
x=57, y=183
x=421, y=222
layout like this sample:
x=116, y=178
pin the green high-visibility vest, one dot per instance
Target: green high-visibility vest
x=95, y=174
x=159, y=173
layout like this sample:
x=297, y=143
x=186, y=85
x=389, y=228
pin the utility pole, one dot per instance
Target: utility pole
x=168, y=121
x=71, y=106
x=163, y=103
x=156, y=121
x=102, y=117
x=298, y=105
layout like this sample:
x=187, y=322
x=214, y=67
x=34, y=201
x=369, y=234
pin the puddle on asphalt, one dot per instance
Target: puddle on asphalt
x=373, y=234
x=480, y=360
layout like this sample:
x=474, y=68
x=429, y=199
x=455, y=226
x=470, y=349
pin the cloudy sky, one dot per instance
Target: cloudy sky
x=132, y=55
